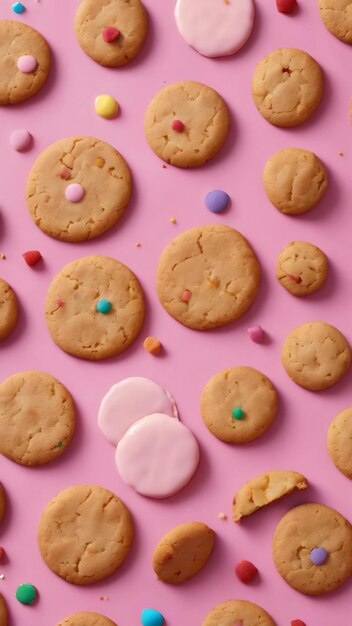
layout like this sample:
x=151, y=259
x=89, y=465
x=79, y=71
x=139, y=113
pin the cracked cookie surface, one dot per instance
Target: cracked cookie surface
x=73, y=321
x=287, y=87
x=8, y=309
x=86, y=619
x=316, y=355
x=301, y=268
x=339, y=441
x=217, y=266
x=235, y=612
x=3, y=612
x=37, y=418
x=304, y=528
x=294, y=180
x=337, y=18
x=203, y=113
x=98, y=168
x=85, y=534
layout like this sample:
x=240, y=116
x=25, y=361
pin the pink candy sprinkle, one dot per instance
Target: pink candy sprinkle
x=20, y=139
x=186, y=296
x=27, y=64
x=256, y=334
x=74, y=192
x=178, y=126
x=60, y=302
x=110, y=34
x=65, y=173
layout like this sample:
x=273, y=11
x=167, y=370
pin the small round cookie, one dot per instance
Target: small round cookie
x=238, y=404
x=238, y=613
x=78, y=188
x=337, y=18
x=111, y=32
x=86, y=619
x=187, y=123
x=316, y=355
x=287, y=87
x=294, y=180
x=183, y=552
x=215, y=29
x=2, y=504
x=85, y=534
x=312, y=548
x=8, y=309
x=3, y=612
x=94, y=307
x=301, y=268
x=208, y=276
x=37, y=418
x=24, y=62
x=339, y=441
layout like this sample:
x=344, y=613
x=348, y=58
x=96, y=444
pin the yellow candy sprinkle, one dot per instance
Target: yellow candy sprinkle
x=106, y=106
x=173, y=220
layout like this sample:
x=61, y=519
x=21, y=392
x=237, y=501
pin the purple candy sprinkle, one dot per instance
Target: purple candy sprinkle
x=318, y=556
x=217, y=201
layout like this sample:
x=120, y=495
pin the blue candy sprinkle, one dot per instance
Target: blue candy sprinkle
x=103, y=306
x=18, y=8
x=151, y=617
x=217, y=201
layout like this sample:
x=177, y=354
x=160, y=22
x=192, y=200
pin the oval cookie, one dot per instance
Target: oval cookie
x=301, y=268
x=238, y=613
x=339, y=441
x=8, y=309
x=86, y=619
x=3, y=612
x=337, y=18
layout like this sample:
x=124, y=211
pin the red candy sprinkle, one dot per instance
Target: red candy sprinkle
x=297, y=622
x=2, y=552
x=246, y=571
x=297, y=279
x=186, y=296
x=60, y=302
x=178, y=126
x=110, y=34
x=286, y=6
x=32, y=257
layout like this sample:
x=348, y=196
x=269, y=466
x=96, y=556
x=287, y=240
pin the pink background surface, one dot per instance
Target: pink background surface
x=297, y=439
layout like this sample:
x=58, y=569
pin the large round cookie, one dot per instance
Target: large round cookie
x=301, y=531
x=86, y=619
x=339, y=441
x=204, y=117
x=85, y=534
x=37, y=418
x=287, y=87
x=100, y=171
x=316, y=355
x=245, y=389
x=74, y=322
x=3, y=612
x=8, y=309
x=238, y=612
x=208, y=276
x=18, y=40
x=128, y=18
x=301, y=268
x=337, y=18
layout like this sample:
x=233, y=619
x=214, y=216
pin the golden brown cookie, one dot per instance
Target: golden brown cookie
x=37, y=418
x=128, y=21
x=339, y=441
x=183, y=552
x=85, y=534
x=238, y=404
x=265, y=489
x=86, y=619
x=8, y=309
x=208, y=276
x=312, y=549
x=301, y=268
x=337, y=18
x=236, y=612
x=66, y=170
x=294, y=180
x=316, y=355
x=2, y=505
x=187, y=123
x=3, y=612
x=287, y=87
x=94, y=307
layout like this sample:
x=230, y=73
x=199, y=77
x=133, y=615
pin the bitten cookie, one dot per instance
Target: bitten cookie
x=301, y=268
x=238, y=613
x=3, y=612
x=183, y=552
x=294, y=180
x=37, y=418
x=78, y=188
x=187, y=123
x=339, y=441
x=2, y=504
x=86, y=619
x=111, y=32
x=208, y=276
x=94, y=307
x=24, y=62
x=287, y=87
x=238, y=404
x=8, y=309
x=337, y=18
x=312, y=549
x=316, y=355
x=85, y=534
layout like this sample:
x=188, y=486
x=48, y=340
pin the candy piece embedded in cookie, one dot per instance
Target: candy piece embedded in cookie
x=8, y=309
x=86, y=619
x=337, y=18
x=339, y=441
x=301, y=268
x=238, y=613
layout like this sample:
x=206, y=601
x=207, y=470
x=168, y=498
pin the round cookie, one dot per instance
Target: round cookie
x=238, y=404
x=316, y=355
x=24, y=62
x=215, y=29
x=187, y=123
x=129, y=21
x=3, y=612
x=208, y=276
x=183, y=552
x=2, y=504
x=37, y=418
x=312, y=548
x=73, y=320
x=85, y=534
x=238, y=613
x=337, y=18
x=301, y=268
x=287, y=87
x=79, y=165
x=8, y=309
x=339, y=441
x=294, y=180
x=86, y=619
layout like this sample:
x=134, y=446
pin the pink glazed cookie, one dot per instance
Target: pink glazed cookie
x=157, y=456
x=215, y=28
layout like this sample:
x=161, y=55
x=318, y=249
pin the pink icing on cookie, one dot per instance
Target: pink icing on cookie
x=128, y=401
x=215, y=27
x=157, y=456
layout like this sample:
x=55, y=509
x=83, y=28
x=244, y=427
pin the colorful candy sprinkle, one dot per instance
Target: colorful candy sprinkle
x=217, y=201
x=32, y=257
x=20, y=139
x=238, y=413
x=256, y=334
x=110, y=34
x=297, y=622
x=59, y=444
x=286, y=6
x=100, y=162
x=74, y=192
x=26, y=593
x=27, y=64
x=152, y=345
x=103, y=306
x=295, y=278
x=246, y=571
x=18, y=8
x=173, y=220
x=178, y=126
x=2, y=553
x=318, y=556
x=222, y=515
x=151, y=617
x=186, y=296
x=65, y=173
x=106, y=106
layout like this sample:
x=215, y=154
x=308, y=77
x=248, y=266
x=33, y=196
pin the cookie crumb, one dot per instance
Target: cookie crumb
x=103, y=598
x=173, y=220
x=138, y=244
x=152, y=345
x=222, y=516
x=2, y=256
x=341, y=154
x=164, y=167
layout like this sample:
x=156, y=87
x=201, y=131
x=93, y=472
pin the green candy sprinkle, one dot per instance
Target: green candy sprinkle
x=26, y=593
x=238, y=413
x=59, y=444
x=103, y=306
